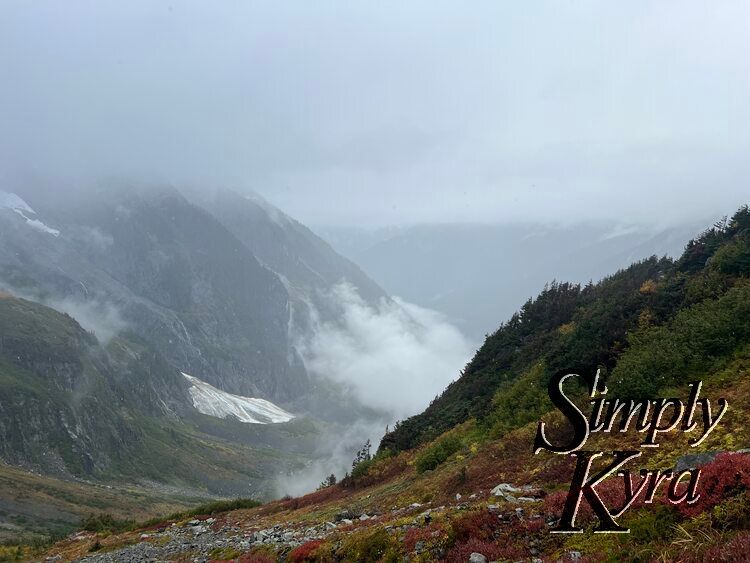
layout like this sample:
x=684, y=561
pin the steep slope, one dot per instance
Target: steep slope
x=569, y=326
x=170, y=273
x=286, y=246
x=74, y=409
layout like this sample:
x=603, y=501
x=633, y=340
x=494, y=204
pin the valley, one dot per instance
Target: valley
x=462, y=479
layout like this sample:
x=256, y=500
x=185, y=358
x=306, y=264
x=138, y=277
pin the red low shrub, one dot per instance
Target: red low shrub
x=727, y=476
x=482, y=525
x=611, y=492
x=523, y=527
x=428, y=535
x=736, y=550
x=305, y=552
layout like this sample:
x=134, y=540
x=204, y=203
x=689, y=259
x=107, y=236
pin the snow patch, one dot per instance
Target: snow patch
x=15, y=203
x=211, y=401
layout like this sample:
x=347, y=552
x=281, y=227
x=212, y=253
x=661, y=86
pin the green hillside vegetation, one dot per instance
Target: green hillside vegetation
x=654, y=324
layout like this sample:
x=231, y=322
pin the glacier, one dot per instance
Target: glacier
x=211, y=401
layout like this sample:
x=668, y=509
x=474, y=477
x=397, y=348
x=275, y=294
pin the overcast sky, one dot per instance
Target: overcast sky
x=389, y=112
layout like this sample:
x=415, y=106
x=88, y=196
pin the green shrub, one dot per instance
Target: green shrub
x=697, y=340
x=222, y=506
x=437, y=453
x=367, y=546
x=362, y=468
x=734, y=258
x=224, y=554
x=656, y=523
x=203, y=509
x=520, y=402
x=106, y=523
x=733, y=514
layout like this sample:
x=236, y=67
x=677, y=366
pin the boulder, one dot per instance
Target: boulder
x=691, y=461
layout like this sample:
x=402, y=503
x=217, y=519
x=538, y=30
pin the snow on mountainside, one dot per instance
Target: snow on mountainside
x=211, y=401
x=14, y=203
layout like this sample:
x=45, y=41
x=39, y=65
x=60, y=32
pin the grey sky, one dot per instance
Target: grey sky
x=387, y=112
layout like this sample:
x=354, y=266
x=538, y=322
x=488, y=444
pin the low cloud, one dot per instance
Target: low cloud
x=393, y=356
x=99, y=317
x=103, y=319
x=334, y=455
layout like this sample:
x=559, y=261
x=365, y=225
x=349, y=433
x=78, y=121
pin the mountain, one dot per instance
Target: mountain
x=73, y=408
x=175, y=276
x=223, y=288
x=477, y=275
x=461, y=482
x=151, y=341
x=307, y=265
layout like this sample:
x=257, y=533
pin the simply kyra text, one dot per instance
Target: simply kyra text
x=651, y=417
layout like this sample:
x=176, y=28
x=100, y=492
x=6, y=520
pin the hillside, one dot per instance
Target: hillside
x=461, y=478
x=573, y=327
x=121, y=415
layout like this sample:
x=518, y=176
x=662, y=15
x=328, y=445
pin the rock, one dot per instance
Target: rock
x=415, y=505
x=526, y=499
x=345, y=515
x=691, y=461
x=210, y=520
x=144, y=537
x=508, y=488
x=330, y=526
x=364, y=517
x=504, y=488
x=419, y=547
x=347, y=522
x=194, y=523
x=477, y=558
x=458, y=497
x=574, y=555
